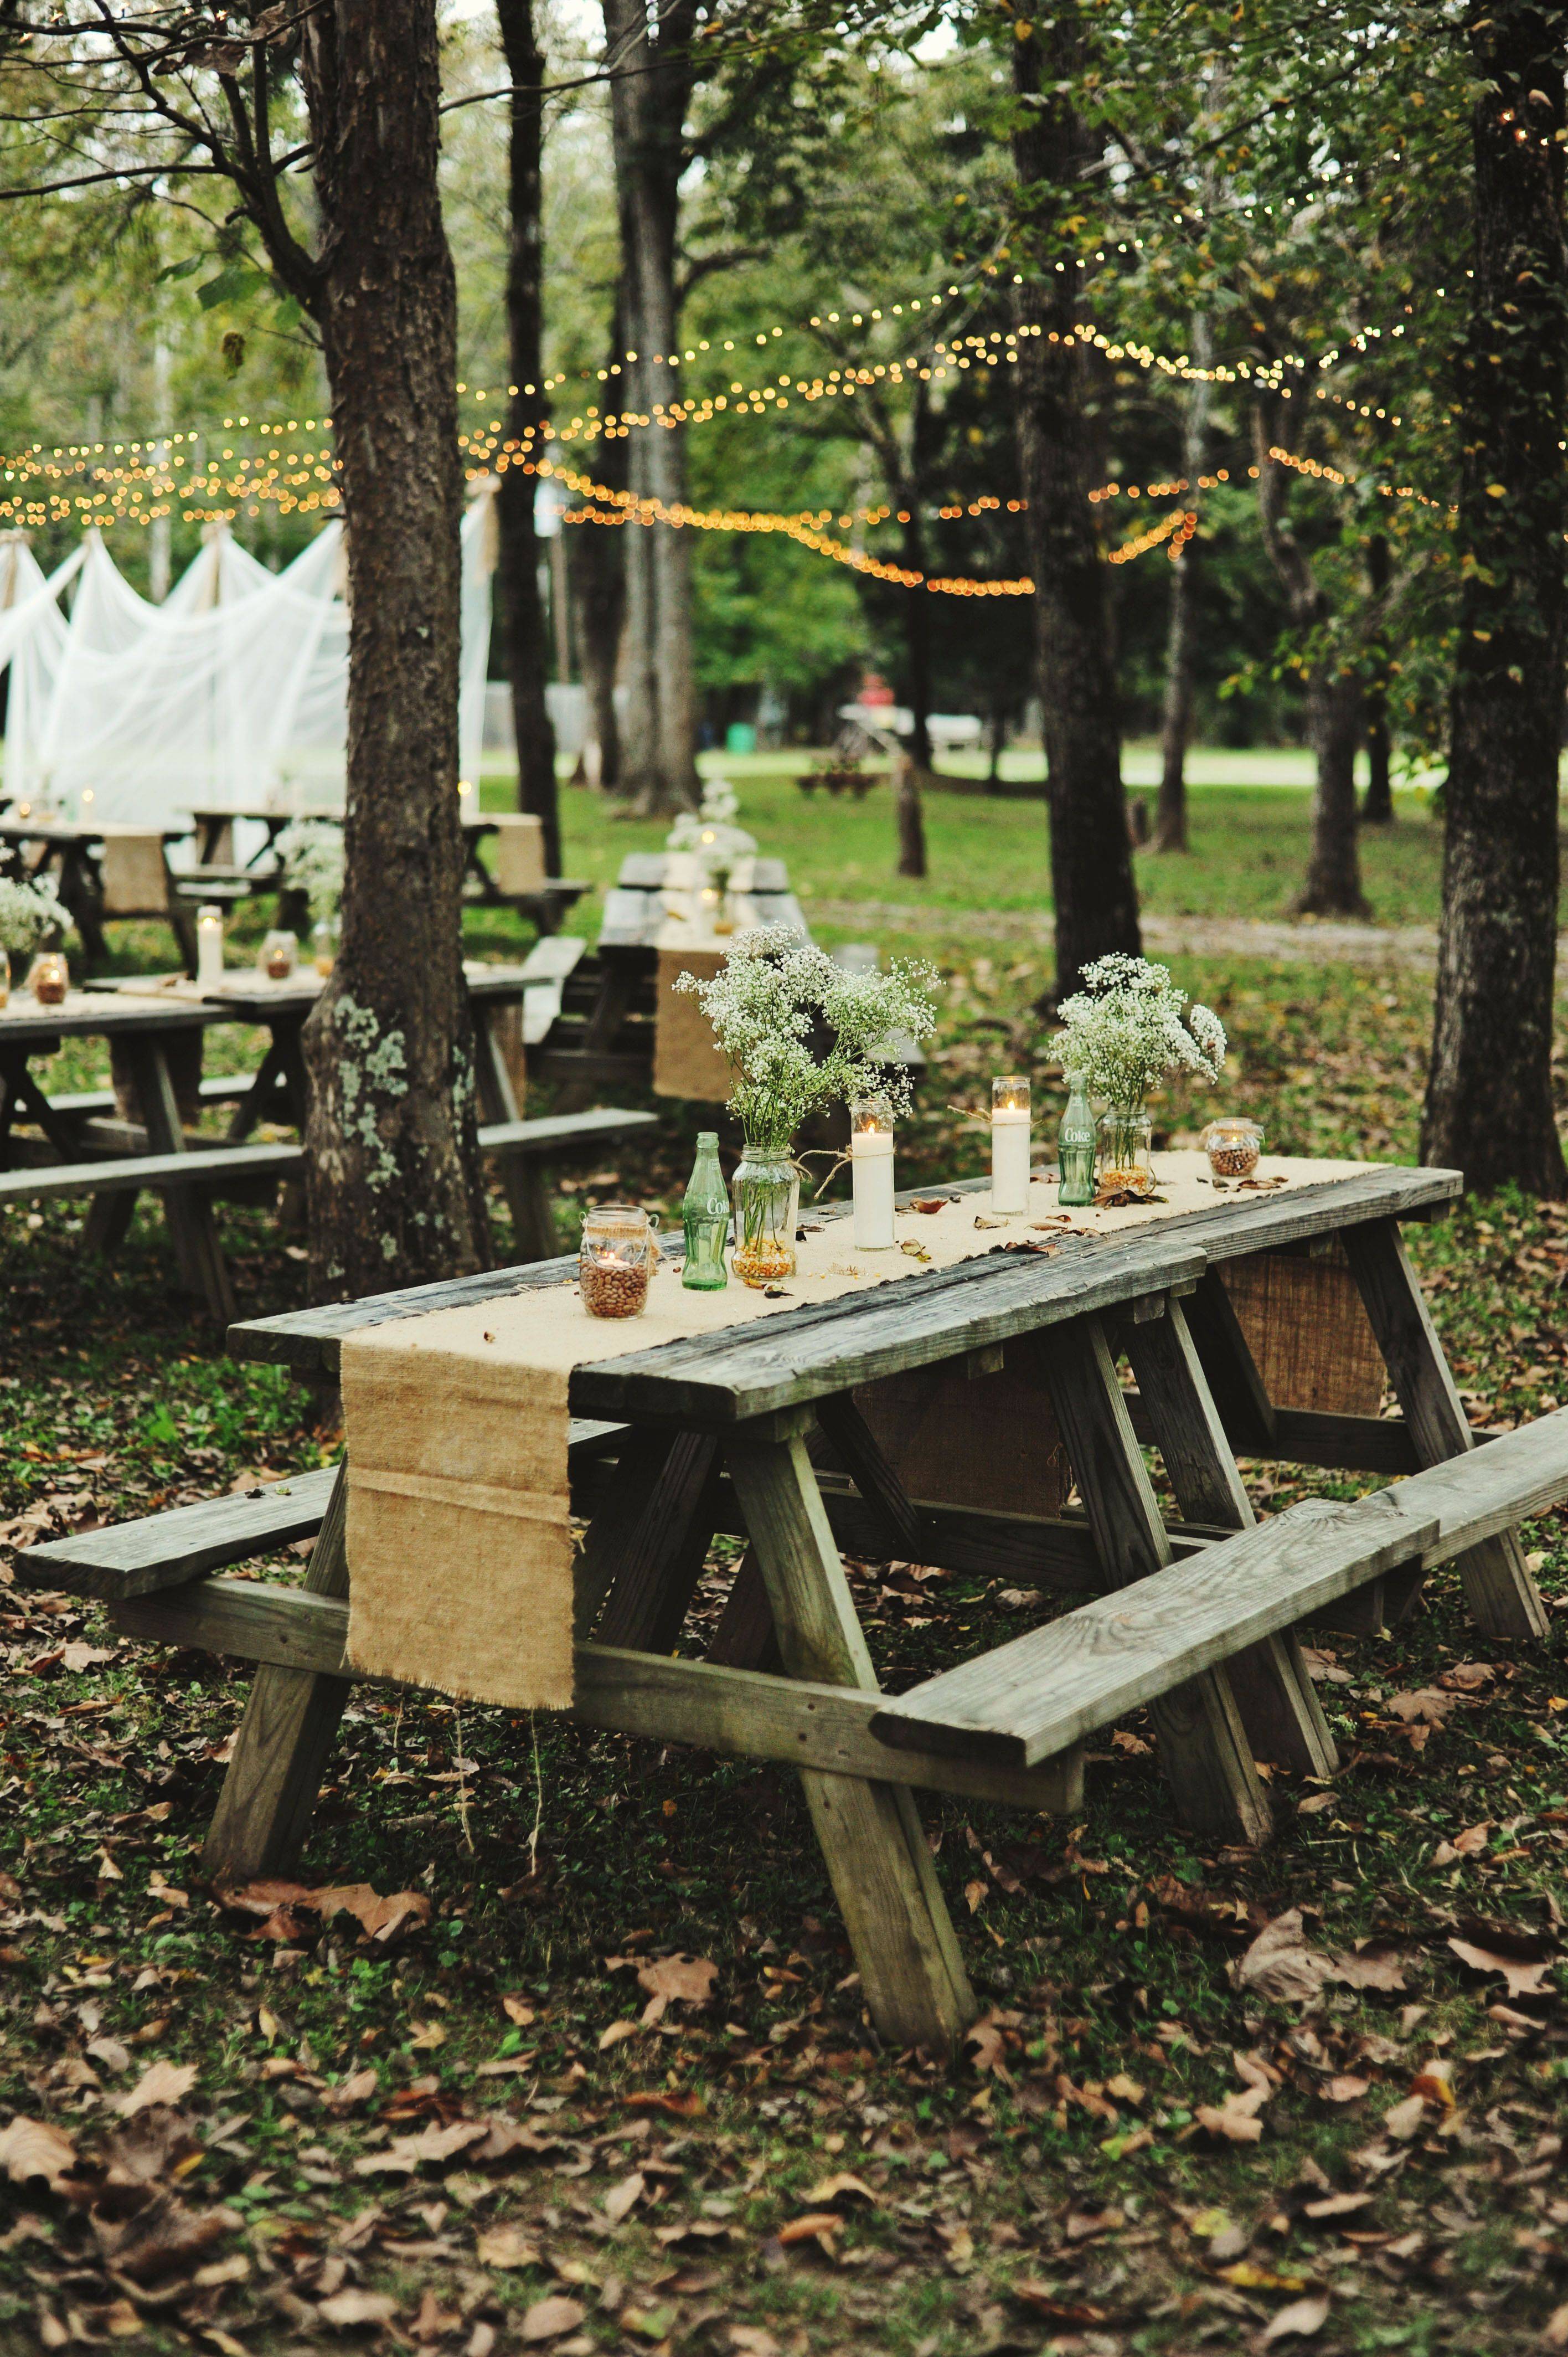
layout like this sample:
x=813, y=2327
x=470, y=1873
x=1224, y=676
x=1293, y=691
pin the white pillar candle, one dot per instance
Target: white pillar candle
x=870, y=1174
x=209, y=949
x=1009, y=1146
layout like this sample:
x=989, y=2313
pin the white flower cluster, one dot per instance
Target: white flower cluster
x=1126, y=1031
x=311, y=854
x=711, y=832
x=30, y=911
x=770, y=1002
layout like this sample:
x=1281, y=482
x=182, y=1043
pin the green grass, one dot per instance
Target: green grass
x=1247, y=857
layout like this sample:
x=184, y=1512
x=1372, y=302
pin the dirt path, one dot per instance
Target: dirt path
x=1251, y=937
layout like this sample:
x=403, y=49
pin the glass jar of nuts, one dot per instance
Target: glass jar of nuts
x=616, y=1259
x=1233, y=1146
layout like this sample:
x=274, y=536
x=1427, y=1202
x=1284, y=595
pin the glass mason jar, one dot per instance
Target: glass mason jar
x=617, y=1256
x=766, y=1191
x=705, y=1217
x=323, y=945
x=1124, y=1166
x=1076, y=1142
x=277, y=956
x=49, y=978
x=1232, y=1145
x=5, y=977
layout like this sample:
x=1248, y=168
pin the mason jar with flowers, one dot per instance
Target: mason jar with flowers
x=31, y=913
x=774, y=1001
x=310, y=854
x=1122, y=1034
x=710, y=847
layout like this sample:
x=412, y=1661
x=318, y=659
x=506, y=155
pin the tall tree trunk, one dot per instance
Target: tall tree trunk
x=1378, y=809
x=1488, y=1100
x=597, y=574
x=395, y=1191
x=1091, y=860
x=910, y=768
x=527, y=640
x=1333, y=885
x=651, y=88
x=1181, y=638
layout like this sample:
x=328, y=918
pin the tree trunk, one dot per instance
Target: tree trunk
x=1378, y=809
x=910, y=818
x=1489, y=1101
x=395, y=1191
x=1181, y=640
x=1333, y=886
x=918, y=640
x=527, y=640
x=650, y=93
x=1091, y=861
x=597, y=557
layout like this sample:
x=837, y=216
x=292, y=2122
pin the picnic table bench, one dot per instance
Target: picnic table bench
x=112, y=1161
x=770, y=1429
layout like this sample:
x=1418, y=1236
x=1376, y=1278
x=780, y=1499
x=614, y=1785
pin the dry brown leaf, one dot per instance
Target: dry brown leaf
x=624, y=2197
x=355, y=2307
x=1554, y=2331
x=1426, y=1707
x=1338, y=2205
x=1082, y=2225
x=1376, y=1965
x=1301, y=2320
x=1524, y=1978
x=976, y=1892
x=30, y=2149
x=1406, y=2119
x=162, y=2083
x=1467, y=1677
x=505, y=2247
x=616, y=2032
x=1474, y=1839
x=676, y=1980
x=833, y=2188
x=815, y=2222
x=1236, y=2119
x=1044, y=2300
x=1343, y=2088
x=1280, y=1965
x=355, y=2090
x=547, y=2318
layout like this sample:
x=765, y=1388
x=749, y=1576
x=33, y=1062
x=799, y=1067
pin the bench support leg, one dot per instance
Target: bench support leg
x=1503, y=1598
x=192, y=1223
x=1274, y=1694
x=744, y=1637
x=660, y=1551
x=899, y=1928
x=285, y=1740
x=1203, y=1747
x=524, y=1181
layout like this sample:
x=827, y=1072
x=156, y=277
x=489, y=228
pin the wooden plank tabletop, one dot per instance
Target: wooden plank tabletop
x=91, y=1014
x=248, y=995
x=807, y=1353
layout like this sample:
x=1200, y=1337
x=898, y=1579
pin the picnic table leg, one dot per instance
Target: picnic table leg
x=904, y=1942
x=1273, y=1691
x=1503, y=1598
x=524, y=1181
x=1203, y=1747
x=647, y=1544
x=285, y=1737
x=192, y=1223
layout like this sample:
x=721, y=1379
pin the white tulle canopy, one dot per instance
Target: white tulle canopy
x=231, y=693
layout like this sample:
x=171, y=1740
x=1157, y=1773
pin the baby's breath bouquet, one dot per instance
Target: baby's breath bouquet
x=310, y=854
x=775, y=996
x=712, y=832
x=1127, y=1031
x=30, y=912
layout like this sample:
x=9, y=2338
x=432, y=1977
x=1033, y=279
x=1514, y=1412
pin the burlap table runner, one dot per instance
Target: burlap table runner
x=459, y=1534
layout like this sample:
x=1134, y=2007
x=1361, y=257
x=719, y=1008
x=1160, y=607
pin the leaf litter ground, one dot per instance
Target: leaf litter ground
x=555, y=2042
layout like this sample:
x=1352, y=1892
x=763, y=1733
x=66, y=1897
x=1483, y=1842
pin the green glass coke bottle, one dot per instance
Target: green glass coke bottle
x=704, y=1215
x=1075, y=1149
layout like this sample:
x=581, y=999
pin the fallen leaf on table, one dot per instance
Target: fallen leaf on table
x=1236, y=2119
x=981, y=1222
x=1302, y=2320
x=30, y=2149
x=916, y=1251
x=1524, y=1978
x=162, y=2083
x=929, y=1202
x=1280, y=1964
x=348, y=2307
x=815, y=2222
x=505, y=2247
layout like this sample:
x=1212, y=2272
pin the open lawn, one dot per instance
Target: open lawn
x=1090, y=2182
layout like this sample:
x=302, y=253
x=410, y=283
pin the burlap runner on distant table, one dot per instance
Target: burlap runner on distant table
x=459, y=1532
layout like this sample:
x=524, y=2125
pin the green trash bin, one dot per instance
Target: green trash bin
x=740, y=737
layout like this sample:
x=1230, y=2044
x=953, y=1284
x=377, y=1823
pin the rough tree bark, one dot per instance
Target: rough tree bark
x=596, y=572
x=652, y=84
x=1333, y=885
x=1378, y=809
x=1091, y=861
x=1488, y=1100
x=1181, y=640
x=522, y=607
x=395, y=1190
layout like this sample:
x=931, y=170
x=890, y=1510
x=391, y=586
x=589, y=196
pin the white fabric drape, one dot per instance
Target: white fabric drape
x=233, y=692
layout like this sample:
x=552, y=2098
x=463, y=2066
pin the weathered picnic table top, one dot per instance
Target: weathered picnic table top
x=799, y=1355
x=251, y=995
x=90, y=1013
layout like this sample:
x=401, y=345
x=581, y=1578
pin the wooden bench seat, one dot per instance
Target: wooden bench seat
x=1029, y=1699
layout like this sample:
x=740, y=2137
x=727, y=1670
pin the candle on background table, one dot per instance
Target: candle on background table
x=1010, y=1146
x=871, y=1173
x=209, y=948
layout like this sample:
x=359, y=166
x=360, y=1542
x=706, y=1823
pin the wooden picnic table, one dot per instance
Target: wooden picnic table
x=676, y=1442
x=72, y=851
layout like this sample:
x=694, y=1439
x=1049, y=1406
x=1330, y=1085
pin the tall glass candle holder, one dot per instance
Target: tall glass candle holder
x=209, y=948
x=1010, y=1146
x=871, y=1173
